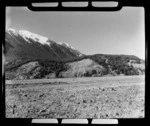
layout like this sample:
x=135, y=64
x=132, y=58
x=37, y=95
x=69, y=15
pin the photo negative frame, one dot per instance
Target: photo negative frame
x=61, y=8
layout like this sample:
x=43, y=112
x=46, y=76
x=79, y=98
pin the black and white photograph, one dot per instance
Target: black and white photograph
x=74, y=65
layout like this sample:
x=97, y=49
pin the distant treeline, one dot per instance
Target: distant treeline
x=116, y=63
x=113, y=64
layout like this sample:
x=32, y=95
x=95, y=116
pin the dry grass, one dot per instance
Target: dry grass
x=101, y=97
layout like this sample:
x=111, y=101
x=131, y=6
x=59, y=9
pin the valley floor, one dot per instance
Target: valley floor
x=93, y=97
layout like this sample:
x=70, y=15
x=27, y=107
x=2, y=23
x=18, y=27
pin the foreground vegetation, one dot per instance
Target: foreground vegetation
x=111, y=97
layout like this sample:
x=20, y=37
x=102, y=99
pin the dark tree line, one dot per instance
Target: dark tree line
x=52, y=67
x=117, y=63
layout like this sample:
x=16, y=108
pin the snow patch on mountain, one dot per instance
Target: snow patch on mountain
x=28, y=35
x=66, y=45
x=35, y=37
x=69, y=46
x=41, y=39
x=12, y=31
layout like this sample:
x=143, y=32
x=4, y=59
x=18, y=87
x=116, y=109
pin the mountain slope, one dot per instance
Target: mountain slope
x=102, y=64
x=31, y=56
x=25, y=46
x=85, y=67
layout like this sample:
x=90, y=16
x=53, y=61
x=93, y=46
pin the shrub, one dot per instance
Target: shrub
x=52, y=66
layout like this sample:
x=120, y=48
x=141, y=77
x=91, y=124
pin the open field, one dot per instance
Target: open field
x=93, y=97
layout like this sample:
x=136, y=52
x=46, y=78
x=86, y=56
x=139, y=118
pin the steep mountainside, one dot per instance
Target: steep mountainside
x=22, y=46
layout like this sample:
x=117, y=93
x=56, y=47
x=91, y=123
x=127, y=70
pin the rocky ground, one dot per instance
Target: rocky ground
x=97, y=97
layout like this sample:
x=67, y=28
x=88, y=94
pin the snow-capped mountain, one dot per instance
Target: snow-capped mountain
x=23, y=44
x=26, y=55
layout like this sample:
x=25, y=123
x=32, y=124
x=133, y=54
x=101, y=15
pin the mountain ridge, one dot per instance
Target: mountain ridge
x=32, y=45
x=30, y=56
